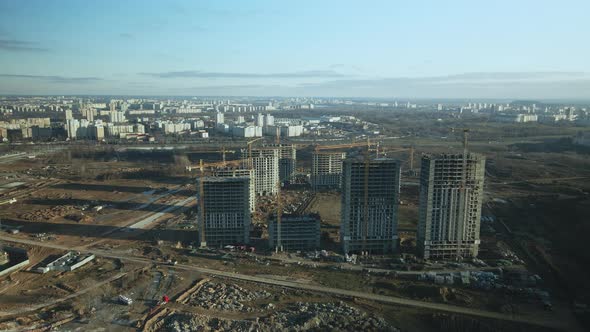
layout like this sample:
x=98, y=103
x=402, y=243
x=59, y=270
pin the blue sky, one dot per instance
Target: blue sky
x=415, y=49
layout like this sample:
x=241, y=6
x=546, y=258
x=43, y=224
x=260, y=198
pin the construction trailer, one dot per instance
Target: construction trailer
x=297, y=232
x=451, y=193
x=370, y=198
x=224, y=210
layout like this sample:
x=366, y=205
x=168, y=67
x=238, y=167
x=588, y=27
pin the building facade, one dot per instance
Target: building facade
x=265, y=163
x=370, y=197
x=224, y=215
x=297, y=233
x=451, y=193
x=240, y=172
x=287, y=161
x=326, y=170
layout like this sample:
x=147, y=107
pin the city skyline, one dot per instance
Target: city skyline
x=383, y=50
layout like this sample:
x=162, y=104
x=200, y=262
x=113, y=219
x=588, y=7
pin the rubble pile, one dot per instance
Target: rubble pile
x=226, y=297
x=296, y=317
x=188, y=323
x=325, y=317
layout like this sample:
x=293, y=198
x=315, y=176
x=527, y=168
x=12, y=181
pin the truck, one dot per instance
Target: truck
x=124, y=300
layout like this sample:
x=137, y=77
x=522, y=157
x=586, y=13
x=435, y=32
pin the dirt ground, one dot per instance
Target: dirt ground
x=543, y=201
x=327, y=205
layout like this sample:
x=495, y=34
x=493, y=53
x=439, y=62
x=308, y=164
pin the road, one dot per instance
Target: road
x=8, y=158
x=145, y=222
x=535, y=321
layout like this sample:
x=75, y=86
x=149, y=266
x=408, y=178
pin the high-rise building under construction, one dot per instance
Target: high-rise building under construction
x=287, y=160
x=326, y=170
x=451, y=193
x=240, y=172
x=370, y=190
x=265, y=163
x=224, y=210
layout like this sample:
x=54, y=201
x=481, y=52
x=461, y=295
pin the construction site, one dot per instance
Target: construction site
x=229, y=236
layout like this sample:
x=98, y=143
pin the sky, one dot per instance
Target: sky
x=386, y=49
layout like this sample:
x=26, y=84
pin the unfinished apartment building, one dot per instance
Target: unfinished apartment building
x=287, y=160
x=224, y=210
x=451, y=192
x=370, y=196
x=297, y=232
x=239, y=172
x=265, y=162
x=326, y=170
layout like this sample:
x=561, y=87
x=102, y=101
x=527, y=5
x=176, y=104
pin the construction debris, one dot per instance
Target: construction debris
x=226, y=297
x=299, y=316
x=50, y=213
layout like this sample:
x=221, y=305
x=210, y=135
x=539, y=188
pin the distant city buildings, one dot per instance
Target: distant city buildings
x=117, y=117
x=167, y=119
x=219, y=118
x=246, y=131
x=517, y=118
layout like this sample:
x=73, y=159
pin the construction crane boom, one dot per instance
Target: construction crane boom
x=250, y=162
x=341, y=146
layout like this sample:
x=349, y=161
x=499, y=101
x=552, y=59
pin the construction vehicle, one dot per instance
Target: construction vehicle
x=165, y=300
x=124, y=300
